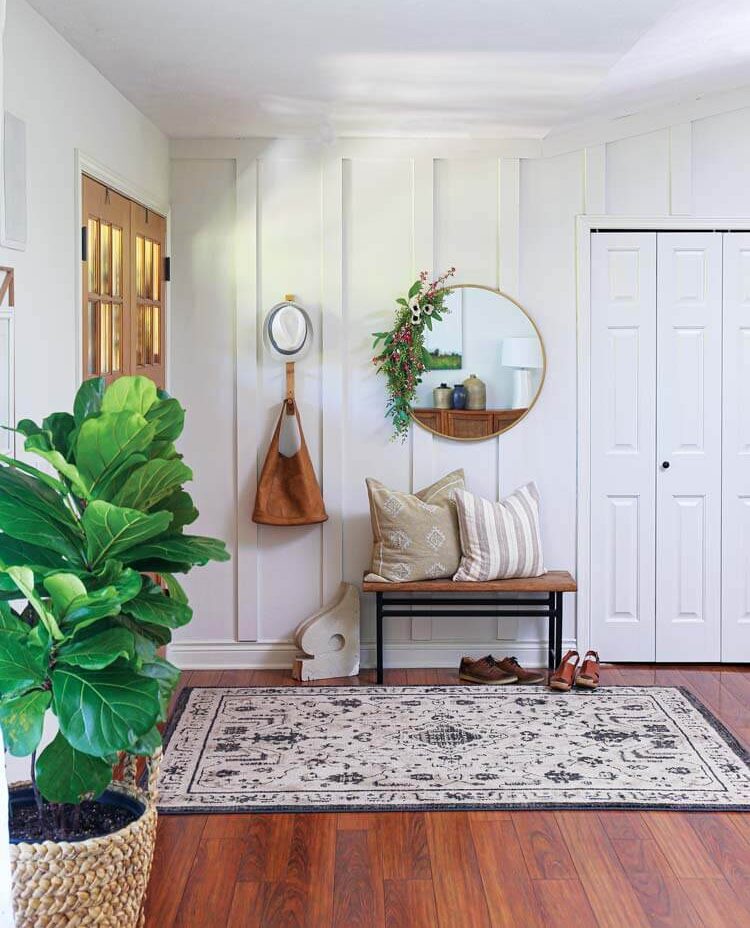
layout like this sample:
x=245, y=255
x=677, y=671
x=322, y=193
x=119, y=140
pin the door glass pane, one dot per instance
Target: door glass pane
x=156, y=272
x=106, y=260
x=139, y=336
x=149, y=272
x=116, y=261
x=93, y=255
x=139, y=243
x=105, y=337
x=116, y=337
x=157, y=332
x=91, y=314
x=148, y=335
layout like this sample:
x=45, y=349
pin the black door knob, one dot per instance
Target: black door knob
x=665, y=465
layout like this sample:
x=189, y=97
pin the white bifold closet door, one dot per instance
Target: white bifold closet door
x=688, y=440
x=736, y=448
x=656, y=445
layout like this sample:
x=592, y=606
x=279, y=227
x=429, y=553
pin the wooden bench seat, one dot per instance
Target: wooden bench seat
x=464, y=600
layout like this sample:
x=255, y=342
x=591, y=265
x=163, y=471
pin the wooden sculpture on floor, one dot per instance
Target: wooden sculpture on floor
x=330, y=639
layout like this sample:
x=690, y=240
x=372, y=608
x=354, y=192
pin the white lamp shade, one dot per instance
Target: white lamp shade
x=521, y=351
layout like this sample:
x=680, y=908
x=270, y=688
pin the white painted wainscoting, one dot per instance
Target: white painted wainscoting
x=346, y=228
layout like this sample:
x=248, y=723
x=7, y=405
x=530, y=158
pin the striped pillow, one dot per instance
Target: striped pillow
x=499, y=540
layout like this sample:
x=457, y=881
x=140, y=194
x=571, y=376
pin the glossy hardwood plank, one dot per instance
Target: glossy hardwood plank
x=662, y=897
x=403, y=839
x=236, y=677
x=357, y=821
x=410, y=904
x=686, y=853
x=459, y=891
x=267, y=841
x=716, y=903
x=624, y=825
x=177, y=840
x=247, y=909
x=422, y=676
x=210, y=885
x=358, y=886
x=727, y=847
x=507, y=885
x=564, y=903
x=607, y=887
x=544, y=850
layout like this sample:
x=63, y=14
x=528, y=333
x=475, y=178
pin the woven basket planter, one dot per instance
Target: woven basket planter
x=100, y=881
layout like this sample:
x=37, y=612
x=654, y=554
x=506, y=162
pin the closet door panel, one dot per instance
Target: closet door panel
x=689, y=428
x=735, y=643
x=623, y=413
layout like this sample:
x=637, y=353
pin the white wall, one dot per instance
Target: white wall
x=346, y=228
x=67, y=105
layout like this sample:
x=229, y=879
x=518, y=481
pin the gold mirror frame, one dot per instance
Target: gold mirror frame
x=531, y=405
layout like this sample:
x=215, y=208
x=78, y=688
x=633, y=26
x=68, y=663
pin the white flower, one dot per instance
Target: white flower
x=414, y=302
x=416, y=315
x=428, y=309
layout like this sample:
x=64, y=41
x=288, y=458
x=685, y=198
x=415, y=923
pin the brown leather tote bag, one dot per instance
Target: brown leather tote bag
x=288, y=491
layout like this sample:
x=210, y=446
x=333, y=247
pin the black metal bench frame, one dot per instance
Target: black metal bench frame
x=405, y=604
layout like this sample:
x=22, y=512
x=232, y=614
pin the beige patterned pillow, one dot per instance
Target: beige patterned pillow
x=415, y=536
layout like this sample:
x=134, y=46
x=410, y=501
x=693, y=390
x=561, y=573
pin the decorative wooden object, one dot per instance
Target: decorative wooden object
x=7, y=286
x=468, y=423
x=331, y=639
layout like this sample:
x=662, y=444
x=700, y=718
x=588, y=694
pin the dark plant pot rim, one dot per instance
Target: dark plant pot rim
x=24, y=796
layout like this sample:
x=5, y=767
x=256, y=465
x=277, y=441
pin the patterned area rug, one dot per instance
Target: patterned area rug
x=448, y=747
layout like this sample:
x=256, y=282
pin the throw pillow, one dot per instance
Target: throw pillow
x=415, y=535
x=499, y=540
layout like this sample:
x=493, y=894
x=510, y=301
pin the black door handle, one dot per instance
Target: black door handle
x=665, y=465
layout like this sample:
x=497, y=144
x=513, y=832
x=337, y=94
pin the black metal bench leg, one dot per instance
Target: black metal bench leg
x=558, y=628
x=379, y=634
x=551, y=632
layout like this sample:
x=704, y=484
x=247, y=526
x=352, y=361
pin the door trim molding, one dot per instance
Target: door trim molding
x=87, y=164
x=585, y=226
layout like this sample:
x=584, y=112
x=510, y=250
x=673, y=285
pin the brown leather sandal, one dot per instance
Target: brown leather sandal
x=588, y=675
x=562, y=679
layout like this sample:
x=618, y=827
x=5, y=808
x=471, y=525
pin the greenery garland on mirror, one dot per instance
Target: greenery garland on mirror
x=403, y=357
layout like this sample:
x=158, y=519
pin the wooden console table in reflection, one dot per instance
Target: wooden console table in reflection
x=467, y=423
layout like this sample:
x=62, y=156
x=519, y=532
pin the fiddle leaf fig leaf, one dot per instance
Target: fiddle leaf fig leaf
x=174, y=588
x=97, y=651
x=176, y=549
x=22, y=721
x=147, y=744
x=153, y=606
x=14, y=552
x=180, y=504
x=63, y=590
x=41, y=444
x=167, y=676
x=129, y=394
x=151, y=482
x=113, y=531
x=88, y=401
x=168, y=418
x=22, y=666
x=11, y=622
x=64, y=774
x=60, y=426
x=103, y=711
x=23, y=577
x=110, y=442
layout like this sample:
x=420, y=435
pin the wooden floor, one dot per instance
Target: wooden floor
x=461, y=869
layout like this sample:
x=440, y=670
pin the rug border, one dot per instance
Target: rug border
x=731, y=741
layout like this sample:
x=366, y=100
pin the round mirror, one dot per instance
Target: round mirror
x=487, y=366
x=288, y=331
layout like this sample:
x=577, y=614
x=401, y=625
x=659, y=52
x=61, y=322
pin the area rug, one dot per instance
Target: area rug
x=448, y=747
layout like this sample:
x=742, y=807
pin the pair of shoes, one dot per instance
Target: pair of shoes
x=490, y=670
x=565, y=676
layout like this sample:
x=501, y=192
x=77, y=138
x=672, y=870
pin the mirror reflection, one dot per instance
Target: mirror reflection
x=487, y=366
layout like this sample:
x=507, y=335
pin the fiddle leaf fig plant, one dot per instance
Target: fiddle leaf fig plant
x=78, y=549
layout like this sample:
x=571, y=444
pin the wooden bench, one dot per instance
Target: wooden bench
x=418, y=599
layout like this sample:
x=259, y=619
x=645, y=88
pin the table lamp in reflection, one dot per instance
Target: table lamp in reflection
x=524, y=355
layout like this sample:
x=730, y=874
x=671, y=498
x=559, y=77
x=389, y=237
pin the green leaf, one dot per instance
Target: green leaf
x=22, y=721
x=168, y=418
x=180, y=504
x=125, y=580
x=41, y=444
x=31, y=511
x=153, y=606
x=63, y=588
x=51, y=482
x=11, y=622
x=110, y=442
x=401, y=301
x=156, y=635
x=151, y=482
x=13, y=551
x=147, y=744
x=60, y=425
x=176, y=549
x=174, y=588
x=28, y=427
x=23, y=577
x=97, y=651
x=66, y=775
x=112, y=531
x=21, y=665
x=129, y=394
x=428, y=322
x=167, y=677
x=88, y=401
x=101, y=711
x=415, y=288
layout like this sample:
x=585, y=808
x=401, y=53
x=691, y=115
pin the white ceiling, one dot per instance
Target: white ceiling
x=327, y=68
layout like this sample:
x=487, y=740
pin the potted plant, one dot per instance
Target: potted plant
x=92, y=551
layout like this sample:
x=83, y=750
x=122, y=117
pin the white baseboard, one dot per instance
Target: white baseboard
x=275, y=655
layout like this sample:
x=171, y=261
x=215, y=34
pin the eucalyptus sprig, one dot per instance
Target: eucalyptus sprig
x=403, y=357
